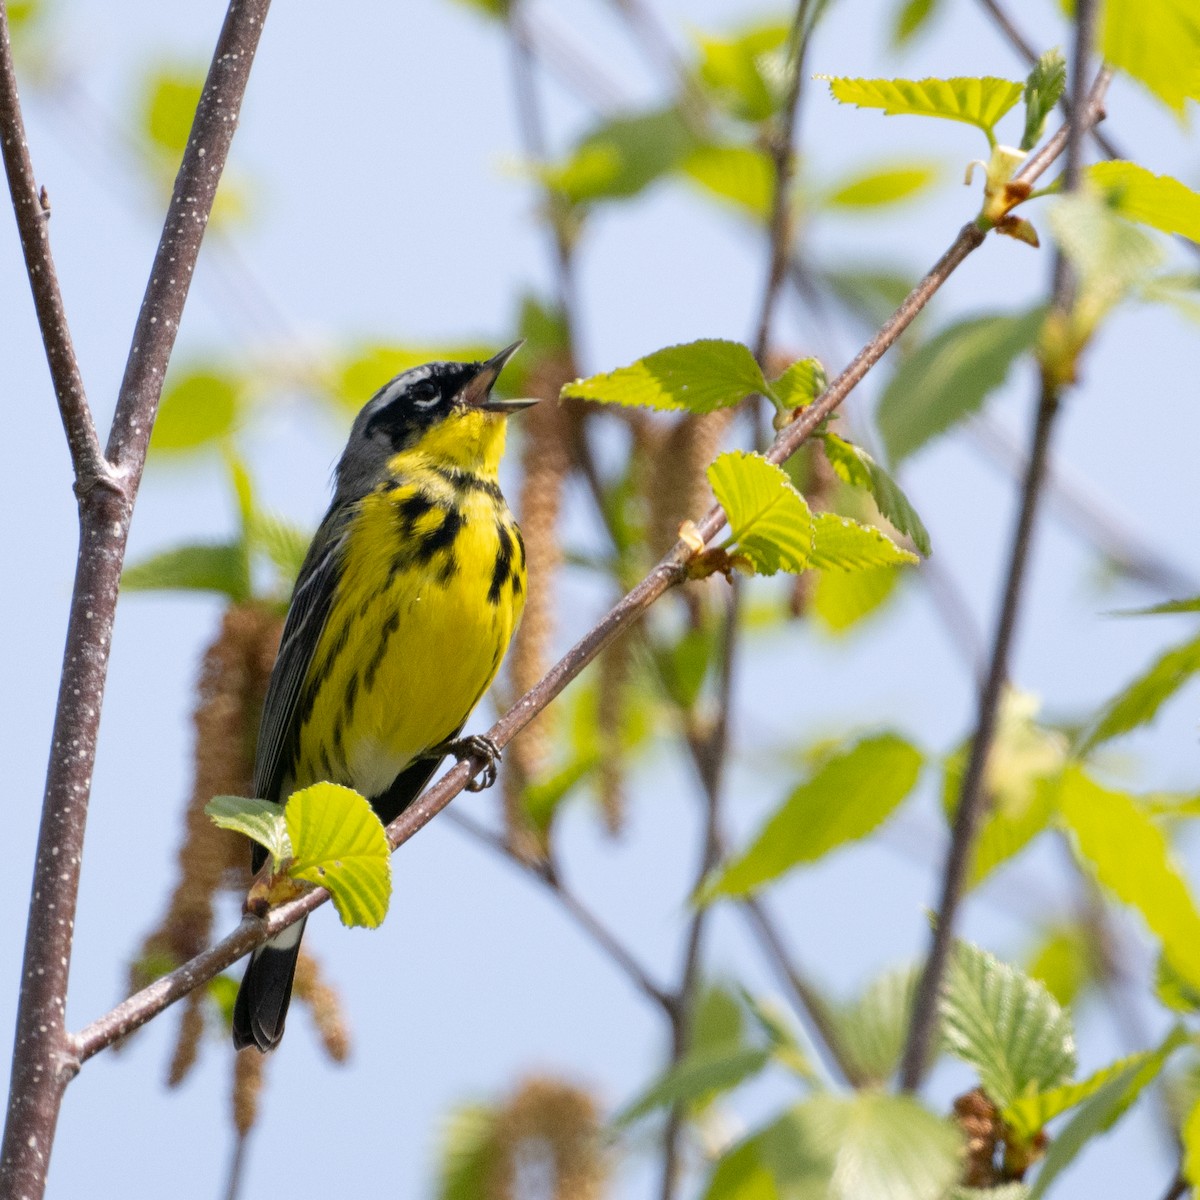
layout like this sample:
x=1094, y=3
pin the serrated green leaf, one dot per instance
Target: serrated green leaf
x=283, y=543
x=947, y=379
x=621, y=157
x=1029, y=1114
x=1158, y=43
x=698, y=1079
x=1138, y=702
x=1159, y=201
x=1020, y=782
x=340, y=844
x=168, y=107
x=1005, y=1025
x=1044, y=87
x=743, y=73
x=980, y=102
x=1100, y=1112
x=842, y=544
x=770, y=524
x=1130, y=856
x=197, y=409
x=364, y=370
x=742, y=175
x=743, y=1173
x=849, y=797
x=841, y=599
x=697, y=377
x=854, y=465
x=467, y=1153
x=259, y=820
x=219, y=568
x=873, y=1029
x=880, y=186
x=800, y=384
x=911, y=17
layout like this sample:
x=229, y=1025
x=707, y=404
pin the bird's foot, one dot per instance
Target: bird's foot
x=477, y=745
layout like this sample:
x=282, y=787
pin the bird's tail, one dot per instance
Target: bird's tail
x=262, y=1000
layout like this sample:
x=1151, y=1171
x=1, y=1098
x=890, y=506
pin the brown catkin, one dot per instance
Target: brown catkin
x=187, y=1044
x=547, y=1123
x=324, y=1004
x=679, y=488
x=545, y=461
x=612, y=701
x=229, y=697
x=247, y=1086
x=980, y=1122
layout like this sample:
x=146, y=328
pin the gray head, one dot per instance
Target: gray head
x=405, y=409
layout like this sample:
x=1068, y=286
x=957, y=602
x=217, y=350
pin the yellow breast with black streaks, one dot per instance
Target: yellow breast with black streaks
x=431, y=587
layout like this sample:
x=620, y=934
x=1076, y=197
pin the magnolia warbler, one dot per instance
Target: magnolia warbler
x=401, y=613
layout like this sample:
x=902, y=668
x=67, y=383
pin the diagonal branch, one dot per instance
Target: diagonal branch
x=43, y=1059
x=671, y=570
x=32, y=210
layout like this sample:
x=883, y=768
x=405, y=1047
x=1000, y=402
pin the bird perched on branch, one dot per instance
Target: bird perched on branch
x=402, y=611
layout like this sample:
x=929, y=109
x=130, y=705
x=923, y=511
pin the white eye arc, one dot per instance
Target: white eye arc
x=426, y=401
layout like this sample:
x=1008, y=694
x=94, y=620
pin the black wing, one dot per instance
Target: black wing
x=311, y=602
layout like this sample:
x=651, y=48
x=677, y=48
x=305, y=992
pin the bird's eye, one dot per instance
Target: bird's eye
x=424, y=393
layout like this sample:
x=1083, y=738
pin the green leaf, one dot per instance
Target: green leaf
x=684, y=665
x=283, y=543
x=1173, y=990
x=857, y=468
x=742, y=175
x=197, y=409
x=849, y=796
x=800, y=384
x=743, y=73
x=168, y=107
x=770, y=524
x=219, y=568
x=1020, y=782
x=340, y=844
x=1158, y=43
x=1062, y=960
x=911, y=17
x=697, y=377
x=1138, y=703
x=842, y=544
x=698, y=1079
x=948, y=378
x=841, y=599
x=882, y=185
x=979, y=102
x=718, y=1020
x=541, y=799
x=622, y=157
x=1159, y=201
x=1029, y=1114
x=873, y=1029
x=785, y=1046
x=1099, y=1113
x=1190, y=1135
x=468, y=1154
x=870, y=294
x=1006, y=1025
x=495, y=9
x=1168, y=606
x=1130, y=856
x=1043, y=88
x=866, y=1146
x=260, y=820
x=743, y=1173
x=223, y=990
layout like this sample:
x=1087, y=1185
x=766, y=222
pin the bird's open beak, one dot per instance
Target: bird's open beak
x=478, y=393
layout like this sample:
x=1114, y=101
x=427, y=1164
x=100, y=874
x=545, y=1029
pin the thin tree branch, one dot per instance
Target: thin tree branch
x=972, y=794
x=33, y=216
x=43, y=1058
x=582, y=915
x=670, y=570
